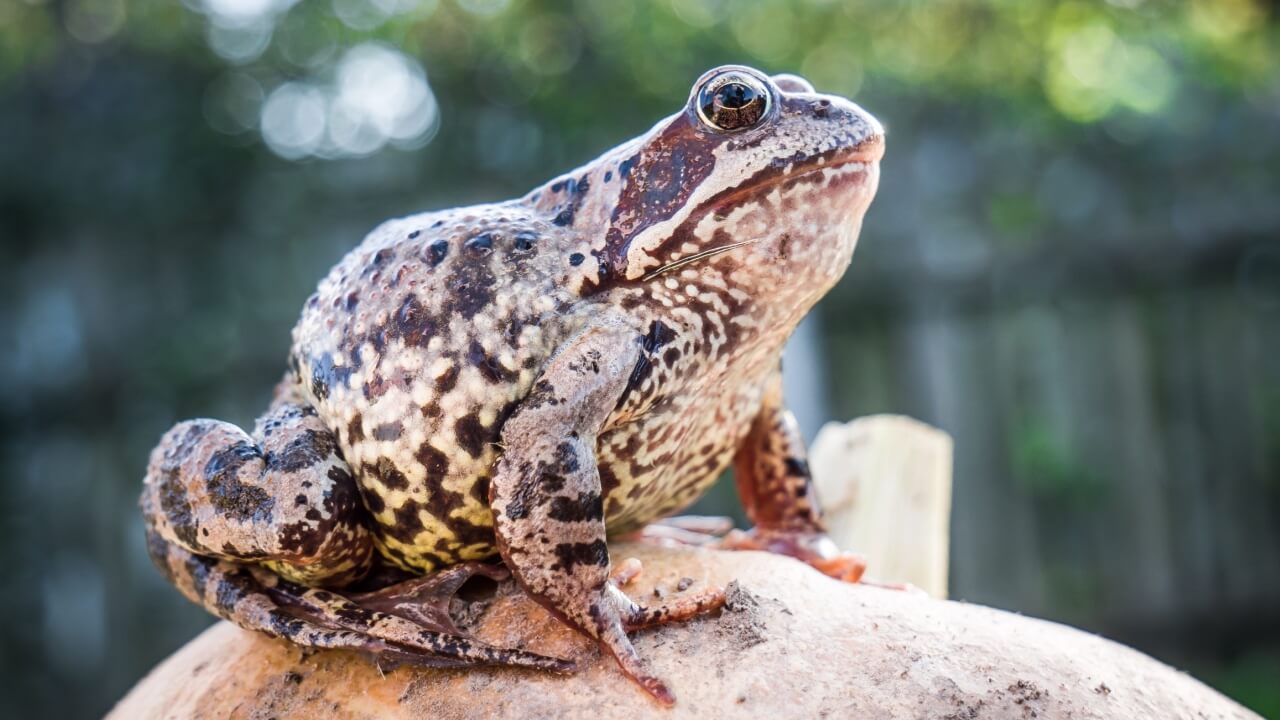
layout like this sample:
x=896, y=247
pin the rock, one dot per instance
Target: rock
x=791, y=643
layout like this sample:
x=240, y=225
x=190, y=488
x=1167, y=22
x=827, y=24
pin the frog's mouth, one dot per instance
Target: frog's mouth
x=855, y=160
x=849, y=165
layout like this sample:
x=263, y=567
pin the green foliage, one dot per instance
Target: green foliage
x=1083, y=60
x=1251, y=679
x=1046, y=466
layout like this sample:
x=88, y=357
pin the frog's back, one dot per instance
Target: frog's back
x=415, y=349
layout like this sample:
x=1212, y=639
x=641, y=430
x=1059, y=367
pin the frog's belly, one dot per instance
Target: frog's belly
x=642, y=482
x=649, y=467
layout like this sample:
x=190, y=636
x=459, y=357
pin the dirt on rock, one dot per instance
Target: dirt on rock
x=789, y=643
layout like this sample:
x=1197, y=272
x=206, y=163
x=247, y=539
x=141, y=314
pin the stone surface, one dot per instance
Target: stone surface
x=792, y=643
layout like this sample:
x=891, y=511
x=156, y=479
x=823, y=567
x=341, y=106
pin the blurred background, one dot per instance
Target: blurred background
x=1073, y=266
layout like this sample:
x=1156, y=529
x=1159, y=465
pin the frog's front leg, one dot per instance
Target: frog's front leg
x=248, y=526
x=547, y=504
x=777, y=492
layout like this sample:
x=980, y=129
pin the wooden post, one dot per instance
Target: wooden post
x=885, y=485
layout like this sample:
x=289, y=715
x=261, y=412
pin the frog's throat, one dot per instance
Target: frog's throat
x=703, y=255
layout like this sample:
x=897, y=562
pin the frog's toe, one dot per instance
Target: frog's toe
x=625, y=572
x=845, y=566
x=676, y=610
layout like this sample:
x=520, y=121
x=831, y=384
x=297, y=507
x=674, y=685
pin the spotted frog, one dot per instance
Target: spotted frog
x=523, y=380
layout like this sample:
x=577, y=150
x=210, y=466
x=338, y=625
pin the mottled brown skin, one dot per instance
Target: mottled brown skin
x=526, y=378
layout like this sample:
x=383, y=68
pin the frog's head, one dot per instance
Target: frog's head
x=761, y=175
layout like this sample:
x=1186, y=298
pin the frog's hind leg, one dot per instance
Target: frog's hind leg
x=777, y=492
x=248, y=526
x=257, y=599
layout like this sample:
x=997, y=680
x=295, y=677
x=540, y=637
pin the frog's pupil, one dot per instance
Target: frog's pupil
x=734, y=95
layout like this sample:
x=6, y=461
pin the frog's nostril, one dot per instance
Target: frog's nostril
x=787, y=82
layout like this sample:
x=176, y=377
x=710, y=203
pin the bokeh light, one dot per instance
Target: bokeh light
x=378, y=96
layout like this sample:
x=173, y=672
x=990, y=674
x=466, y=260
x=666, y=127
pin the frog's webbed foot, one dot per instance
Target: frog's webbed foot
x=814, y=548
x=427, y=600
x=637, y=617
x=408, y=623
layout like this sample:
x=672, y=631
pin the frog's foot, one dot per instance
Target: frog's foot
x=406, y=624
x=690, y=530
x=618, y=614
x=675, y=610
x=814, y=548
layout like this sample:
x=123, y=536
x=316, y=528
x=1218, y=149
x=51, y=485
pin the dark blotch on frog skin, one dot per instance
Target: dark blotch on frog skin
x=525, y=240
x=198, y=568
x=488, y=365
x=583, y=508
x=436, y=463
x=412, y=323
x=480, y=243
x=797, y=467
x=303, y=537
x=387, y=432
x=447, y=380
x=576, y=259
x=388, y=474
x=373, y=500
x=658, y=336
x=407, y=522
x=176, y=507
x=471, y=290
x=570, y=555
x=230, y=496
x=302, y=452
x=657, y=183
x=436, y=252
x=325, y=375
x=472, y=434
x=355, y=429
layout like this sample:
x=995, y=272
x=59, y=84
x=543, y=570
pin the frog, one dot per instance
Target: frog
x=499, y=390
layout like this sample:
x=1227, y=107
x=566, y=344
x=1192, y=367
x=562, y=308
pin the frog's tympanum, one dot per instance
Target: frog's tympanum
x=523, y=380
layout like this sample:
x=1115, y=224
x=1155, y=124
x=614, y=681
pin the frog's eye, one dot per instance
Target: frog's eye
x=733, y=101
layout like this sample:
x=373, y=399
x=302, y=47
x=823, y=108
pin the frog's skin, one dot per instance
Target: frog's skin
x=521, y=379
